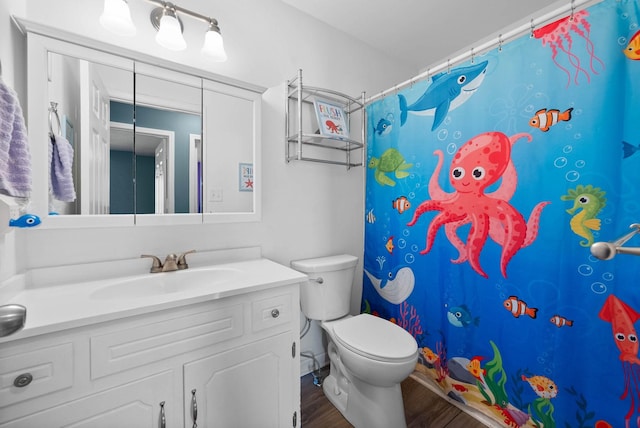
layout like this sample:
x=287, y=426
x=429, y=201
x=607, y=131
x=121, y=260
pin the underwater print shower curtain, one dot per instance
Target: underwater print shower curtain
x=486, y=186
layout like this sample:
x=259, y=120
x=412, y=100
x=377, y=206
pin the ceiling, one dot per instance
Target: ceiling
x=422, y=33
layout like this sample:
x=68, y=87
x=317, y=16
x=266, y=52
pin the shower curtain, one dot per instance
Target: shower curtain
x=487, y=184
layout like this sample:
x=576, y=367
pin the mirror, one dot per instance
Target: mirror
x=81, y=93
x=190, y=156
x=229, y=181
x=154, y=173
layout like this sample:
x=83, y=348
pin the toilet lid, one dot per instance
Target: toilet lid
x=375, y=338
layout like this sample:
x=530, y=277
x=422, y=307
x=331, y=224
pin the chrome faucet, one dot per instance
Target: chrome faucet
x=171, y=263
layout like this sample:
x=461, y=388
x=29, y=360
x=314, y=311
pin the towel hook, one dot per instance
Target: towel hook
x=53, y=113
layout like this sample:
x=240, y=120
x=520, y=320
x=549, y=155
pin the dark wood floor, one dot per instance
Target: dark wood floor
x=423, y=408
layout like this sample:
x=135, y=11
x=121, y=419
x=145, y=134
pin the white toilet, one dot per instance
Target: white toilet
x=369, y=356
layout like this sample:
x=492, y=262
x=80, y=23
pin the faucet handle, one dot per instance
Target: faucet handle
x=157, y=264
x=182, y=260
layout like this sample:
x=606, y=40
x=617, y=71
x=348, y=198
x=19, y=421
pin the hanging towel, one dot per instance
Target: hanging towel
x=61, y=158
x=15, y=157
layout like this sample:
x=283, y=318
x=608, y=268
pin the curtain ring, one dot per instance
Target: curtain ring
x=473, y=57
x=573, y=9
x=428, y=74
x=448, y=66
x=532, y=28
x=499, y=42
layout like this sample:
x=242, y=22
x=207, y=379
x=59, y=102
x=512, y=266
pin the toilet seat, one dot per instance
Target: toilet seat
x=375, y=338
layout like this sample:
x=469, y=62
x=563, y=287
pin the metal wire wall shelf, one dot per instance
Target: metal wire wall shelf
x=302, y=128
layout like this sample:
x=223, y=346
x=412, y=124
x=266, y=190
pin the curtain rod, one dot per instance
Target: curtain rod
x=529, y=27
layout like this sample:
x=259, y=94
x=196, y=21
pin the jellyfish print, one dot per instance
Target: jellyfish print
x=560, y=32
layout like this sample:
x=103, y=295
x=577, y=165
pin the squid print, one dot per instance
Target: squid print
x=622, y=317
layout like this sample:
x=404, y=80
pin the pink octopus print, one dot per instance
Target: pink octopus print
x=558, y=32
x=479, y=163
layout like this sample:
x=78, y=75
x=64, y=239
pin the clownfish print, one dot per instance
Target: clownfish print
x=545, y=119
x=560, y=321
x=401, y=204
x=518, y=307
x=632, y=51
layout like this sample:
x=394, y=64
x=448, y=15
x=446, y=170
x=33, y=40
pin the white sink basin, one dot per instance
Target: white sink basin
x=166, y=283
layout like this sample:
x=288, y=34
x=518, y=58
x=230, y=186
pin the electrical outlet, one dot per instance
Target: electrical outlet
x=215, y=195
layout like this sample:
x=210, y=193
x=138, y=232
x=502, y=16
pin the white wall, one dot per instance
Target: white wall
x=308, y=209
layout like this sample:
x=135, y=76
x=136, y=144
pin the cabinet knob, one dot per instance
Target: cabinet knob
x=23, y=380
x=275, y=313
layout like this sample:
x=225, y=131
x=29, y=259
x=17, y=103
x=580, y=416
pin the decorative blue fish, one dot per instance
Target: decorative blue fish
x=27, y=220
x=383, y=127
x=629, y=149
x=460, y=316
x=446, y=92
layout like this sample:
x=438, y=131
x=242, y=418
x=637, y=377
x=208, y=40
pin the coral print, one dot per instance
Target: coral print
x=479, y=163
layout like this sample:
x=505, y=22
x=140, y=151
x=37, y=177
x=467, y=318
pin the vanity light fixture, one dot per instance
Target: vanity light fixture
x=213, y=46
x=116, y=18
x=166, y=20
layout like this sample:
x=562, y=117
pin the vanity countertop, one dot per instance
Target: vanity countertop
x=77, y=303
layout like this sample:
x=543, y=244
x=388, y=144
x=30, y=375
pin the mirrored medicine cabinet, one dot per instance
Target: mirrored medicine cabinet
x=154, y=142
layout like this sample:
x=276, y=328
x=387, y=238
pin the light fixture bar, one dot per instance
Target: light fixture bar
x=179, y=9
x=170, y=34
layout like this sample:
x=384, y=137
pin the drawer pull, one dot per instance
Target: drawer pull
x=194, y=409
x=163, y=419
x=23, y=380
x=275, y=313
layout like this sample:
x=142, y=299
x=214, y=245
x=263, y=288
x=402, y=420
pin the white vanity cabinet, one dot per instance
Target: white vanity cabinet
x=230, y=362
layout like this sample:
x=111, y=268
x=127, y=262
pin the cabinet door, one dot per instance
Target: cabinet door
x=135, y=405
x=250, y=386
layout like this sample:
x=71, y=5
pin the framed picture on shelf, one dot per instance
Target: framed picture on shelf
x=245, y=175
x=332, y=118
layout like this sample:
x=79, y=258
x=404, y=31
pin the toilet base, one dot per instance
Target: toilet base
x=365, y=405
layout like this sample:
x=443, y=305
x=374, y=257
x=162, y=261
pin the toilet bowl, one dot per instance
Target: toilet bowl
x=369, y=356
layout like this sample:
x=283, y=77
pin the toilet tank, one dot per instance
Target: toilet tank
x=327, y=293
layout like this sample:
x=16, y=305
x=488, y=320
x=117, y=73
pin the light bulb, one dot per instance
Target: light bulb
x=213, y=46
x=170, y=33
x=116, y=18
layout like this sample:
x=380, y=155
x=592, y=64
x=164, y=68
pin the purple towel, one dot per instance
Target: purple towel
x=61, y=157
x=15, y=158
